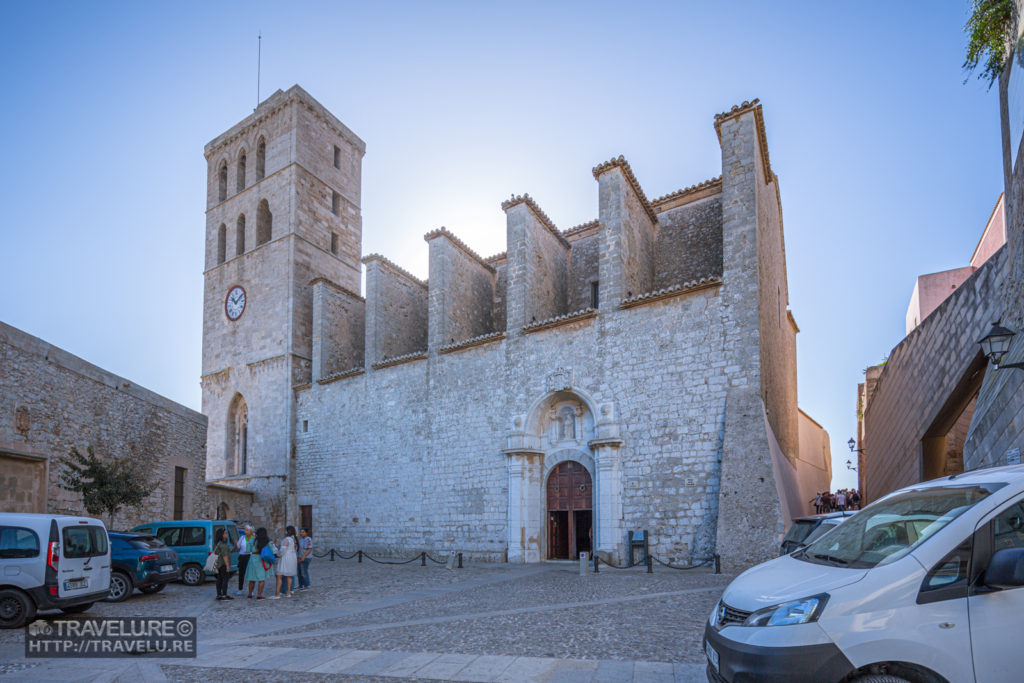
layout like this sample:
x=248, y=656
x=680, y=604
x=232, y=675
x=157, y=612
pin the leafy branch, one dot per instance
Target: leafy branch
x=105, y=487
x=991, y=29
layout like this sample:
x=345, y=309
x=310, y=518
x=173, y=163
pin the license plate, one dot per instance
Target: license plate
x=712, y=655
x=166, y=567
x=76, y=584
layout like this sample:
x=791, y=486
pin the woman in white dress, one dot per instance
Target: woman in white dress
x=288, y=564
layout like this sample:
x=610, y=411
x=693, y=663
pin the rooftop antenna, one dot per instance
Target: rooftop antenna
x=259, y=60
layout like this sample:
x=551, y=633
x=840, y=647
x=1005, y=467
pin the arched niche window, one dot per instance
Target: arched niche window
x=261, y=159
x=264, y=221
x=240, y=235
x=222, y=510
x=240, y=174
x=222, y=181
x=222, y=240
x=238, y=437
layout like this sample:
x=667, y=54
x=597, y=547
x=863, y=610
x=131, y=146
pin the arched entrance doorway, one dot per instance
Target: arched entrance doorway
x=570, y=511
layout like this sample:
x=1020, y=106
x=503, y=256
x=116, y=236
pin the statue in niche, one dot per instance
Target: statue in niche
x=567, y=423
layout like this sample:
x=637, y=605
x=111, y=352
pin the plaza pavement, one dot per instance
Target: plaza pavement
x=370, y=622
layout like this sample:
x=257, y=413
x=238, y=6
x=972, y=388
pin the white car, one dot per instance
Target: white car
x=50, y=562
x=926, y=584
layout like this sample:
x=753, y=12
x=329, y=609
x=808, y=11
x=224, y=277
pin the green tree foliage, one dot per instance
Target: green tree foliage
x=991, y=30
x=106, y=487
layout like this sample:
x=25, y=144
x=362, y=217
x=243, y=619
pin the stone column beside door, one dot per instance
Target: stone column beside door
x=525, y=474
x=609, y=534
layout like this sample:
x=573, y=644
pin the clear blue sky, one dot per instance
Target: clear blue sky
x=889, y=165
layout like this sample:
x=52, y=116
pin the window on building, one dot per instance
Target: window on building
x=240, y=175
x=261, y=159
x=306, y=517
x=179, y=492
x=593, y=294
x=334, y=243
x=240, y=235
x=337, y=157
x=222, y=181
x=222, y=243
x=335, y=202
x=264, y=220
x=238, y=437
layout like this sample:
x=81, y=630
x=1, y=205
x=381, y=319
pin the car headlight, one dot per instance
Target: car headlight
x=802, y=611
x=713, y=619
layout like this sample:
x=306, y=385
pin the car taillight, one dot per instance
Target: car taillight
x=146, y=558
x=53, y=555
x=53, y=590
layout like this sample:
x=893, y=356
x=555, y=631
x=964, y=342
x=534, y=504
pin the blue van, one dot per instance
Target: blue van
x=192, y=540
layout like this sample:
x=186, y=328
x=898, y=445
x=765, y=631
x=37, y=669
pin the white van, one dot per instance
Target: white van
x=50, y=562
x=926, y=584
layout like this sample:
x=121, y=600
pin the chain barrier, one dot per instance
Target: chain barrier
x=649, y=562
x=360, y=554
x=705, y=563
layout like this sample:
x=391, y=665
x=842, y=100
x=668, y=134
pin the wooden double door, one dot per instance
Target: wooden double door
x=570, y=511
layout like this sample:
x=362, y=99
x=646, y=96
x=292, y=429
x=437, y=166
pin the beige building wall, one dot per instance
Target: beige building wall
x=51, y=400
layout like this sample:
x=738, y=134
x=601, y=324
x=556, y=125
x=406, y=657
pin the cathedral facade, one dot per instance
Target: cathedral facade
x=637, y=372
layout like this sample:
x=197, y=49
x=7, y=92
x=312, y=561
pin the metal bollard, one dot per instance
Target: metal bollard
x=360, y=556
x=460, y=560
x=650, y=565
x=583, y=564
x=332, y=554
x=718, y=564
x=423, y=559
x=596, y=561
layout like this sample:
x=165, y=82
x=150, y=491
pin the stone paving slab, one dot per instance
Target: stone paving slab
x=446, y=666
x=304, y=660
x=613, y=671
x=485, y=668
x=344, y=661
x=375, y=665
x=528, y=669
x=409, y=664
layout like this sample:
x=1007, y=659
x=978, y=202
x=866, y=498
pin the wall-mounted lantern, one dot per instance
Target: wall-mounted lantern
x=996, y=343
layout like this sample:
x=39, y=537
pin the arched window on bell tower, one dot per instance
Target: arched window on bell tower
x=240, y=173
x=222, y=243
x=264, y=220
x=238, y=437
x=222, y=181
x=240, y=235
x=261, y=159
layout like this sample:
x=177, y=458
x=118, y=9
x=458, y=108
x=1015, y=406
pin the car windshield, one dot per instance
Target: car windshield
x=822, y=529
x=799, y=530
x=889, y=529
x=147, y=543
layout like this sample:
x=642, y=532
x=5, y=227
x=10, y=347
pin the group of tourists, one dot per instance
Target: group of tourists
x=843, y=499
x=261, y=560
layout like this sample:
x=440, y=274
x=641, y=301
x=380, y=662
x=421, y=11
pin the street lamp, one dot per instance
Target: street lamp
x=852, y=444
x=851, y=466
x=996, y=343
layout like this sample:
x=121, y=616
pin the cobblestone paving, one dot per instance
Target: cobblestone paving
x=371, y=622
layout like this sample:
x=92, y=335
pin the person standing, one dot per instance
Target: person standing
x=260, y=568
x=305, y=557
x=222, y=549
x=287, y=566
x=841, y=500
x=246, y=543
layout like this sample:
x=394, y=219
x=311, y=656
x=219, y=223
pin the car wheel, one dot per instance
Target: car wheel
x=15, y=608
x=880, y=678
x=192, y=574
x=75, y=609
x=121, y=587
x=155, y=588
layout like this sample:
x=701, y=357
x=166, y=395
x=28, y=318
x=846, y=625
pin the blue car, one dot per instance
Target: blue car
x=139, y=561
x=192, y=540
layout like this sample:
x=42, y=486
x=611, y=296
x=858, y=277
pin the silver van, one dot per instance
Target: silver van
x=50, y=562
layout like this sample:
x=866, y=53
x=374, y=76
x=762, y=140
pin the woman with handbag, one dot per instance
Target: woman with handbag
x=222, y=553
x=261, y=563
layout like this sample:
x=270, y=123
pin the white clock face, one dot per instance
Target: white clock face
x=234, y=304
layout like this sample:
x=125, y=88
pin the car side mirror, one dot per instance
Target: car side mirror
x=1006, y=569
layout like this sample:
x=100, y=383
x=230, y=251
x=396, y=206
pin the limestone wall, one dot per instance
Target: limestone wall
x=583, y=267
x=537, y=268
x=396, y=307
x=923, y=374
x=338, y=329
x=410, y=457
x=461, y=291
x=51, y=400
x=628, y=233
x=689, y=243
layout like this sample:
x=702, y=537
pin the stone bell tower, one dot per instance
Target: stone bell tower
x=282, y=209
